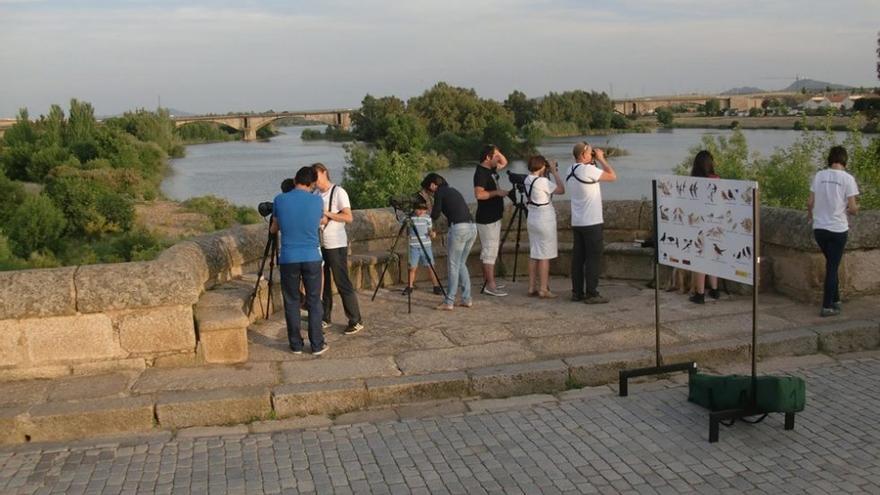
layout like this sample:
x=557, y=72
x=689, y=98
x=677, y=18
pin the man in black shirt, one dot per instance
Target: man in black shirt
x=459, y=240
x=490, y=209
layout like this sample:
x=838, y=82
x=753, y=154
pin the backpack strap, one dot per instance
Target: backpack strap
x=529, y=194
x=330, y=203
x=573, y=174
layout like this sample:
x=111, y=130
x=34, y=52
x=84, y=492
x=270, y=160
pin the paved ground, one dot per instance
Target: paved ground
x=402, y=349
x=587, y=442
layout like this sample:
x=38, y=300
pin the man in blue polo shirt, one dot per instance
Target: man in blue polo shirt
x=297, y=214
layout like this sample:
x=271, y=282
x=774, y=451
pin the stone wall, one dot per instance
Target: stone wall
x=189, y=305
x=91, y=318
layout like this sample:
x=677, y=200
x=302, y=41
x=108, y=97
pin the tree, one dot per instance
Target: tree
x=372, y=177
x=368, y=122
x=36, y=224
x=664, y=116
x=524, y=109
x=755, y=112
x=402, y=133
x=711, y=108
x=446, y=108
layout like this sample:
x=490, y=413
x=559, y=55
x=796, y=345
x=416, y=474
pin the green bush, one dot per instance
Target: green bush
x=206, y=132
x=374, y=176
x=220, y=212
x=91, y=207
x=36, y=224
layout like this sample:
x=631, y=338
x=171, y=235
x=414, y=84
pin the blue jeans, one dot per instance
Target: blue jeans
x=310, y=274
x=832, y=245
x=459, y=241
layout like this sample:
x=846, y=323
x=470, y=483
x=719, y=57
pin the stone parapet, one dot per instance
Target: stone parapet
x=190, y=305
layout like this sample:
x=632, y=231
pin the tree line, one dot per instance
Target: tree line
x=398, y=141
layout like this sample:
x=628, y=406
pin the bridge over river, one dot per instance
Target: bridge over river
x=250, y=123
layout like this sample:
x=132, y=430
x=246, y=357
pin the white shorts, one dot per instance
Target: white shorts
x=490, y=237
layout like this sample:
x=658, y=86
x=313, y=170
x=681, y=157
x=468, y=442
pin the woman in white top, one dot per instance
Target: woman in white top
x=541, y=223
x=832, y=195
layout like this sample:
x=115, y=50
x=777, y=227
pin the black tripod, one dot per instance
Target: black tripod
x=519, y=211
x=405, y=225
x=270, y=253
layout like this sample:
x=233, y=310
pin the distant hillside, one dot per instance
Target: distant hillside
x=814, y=85
x=179, y=113
x=745, y=90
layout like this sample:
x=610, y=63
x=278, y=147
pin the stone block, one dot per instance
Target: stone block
x=586, y=393
x=70, y=338
x=212, y=431
x=522, y=401
x=255, y=375
x=368, y=416
x=223, y=346
x=222, y=334
x=848, y=336
x=290, y=424
x=37, y=293
x=709, y=353
x=180, y=360
x=154, y=330
x=463, y=357
x=34, y=373
x=23, y=392
x=10, y=425
x=599, y=369
x=328, y=370
x=212, y=407
x=68, y=420
x=787, y=343
x=13, y=350
x=143, y=284
x=520, y=379
x=863, y=272
x=319, y=398
x=431, y=409
x=130, y=364
x=417, y=388
x=89, y=387
x=623, y=260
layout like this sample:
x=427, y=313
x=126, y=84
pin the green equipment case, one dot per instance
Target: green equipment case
x=719, y=393
x=775, y=393
x=781, y=394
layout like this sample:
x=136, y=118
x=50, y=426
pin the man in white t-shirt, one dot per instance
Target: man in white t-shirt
x=582, y=182
x=334, y=249
x=832, y=195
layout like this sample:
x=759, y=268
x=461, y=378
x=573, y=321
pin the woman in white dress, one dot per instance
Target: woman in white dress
x=542, y=223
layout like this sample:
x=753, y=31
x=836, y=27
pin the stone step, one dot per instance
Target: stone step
x=257, y=393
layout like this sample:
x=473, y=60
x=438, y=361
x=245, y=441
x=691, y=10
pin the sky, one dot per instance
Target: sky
x=220, y=56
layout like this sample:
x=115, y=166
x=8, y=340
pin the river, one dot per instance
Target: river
x=248, y=173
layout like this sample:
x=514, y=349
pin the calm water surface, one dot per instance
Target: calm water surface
x=248, y=173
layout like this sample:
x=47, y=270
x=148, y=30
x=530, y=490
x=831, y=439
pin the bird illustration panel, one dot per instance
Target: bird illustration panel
x=707, y=225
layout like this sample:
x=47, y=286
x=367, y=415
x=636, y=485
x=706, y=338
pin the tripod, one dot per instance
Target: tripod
x=271, y=253
x=405, y=225
x=519, y=211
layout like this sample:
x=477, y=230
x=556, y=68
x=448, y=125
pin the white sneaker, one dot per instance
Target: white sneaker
x=325, y=324
x=497, y=292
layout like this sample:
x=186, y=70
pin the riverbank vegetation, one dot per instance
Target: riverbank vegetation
x=69, y=184
x=785, y=175
x=401, y=140
x=330, y=133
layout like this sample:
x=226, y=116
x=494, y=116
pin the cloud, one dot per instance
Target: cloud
x=224, y=55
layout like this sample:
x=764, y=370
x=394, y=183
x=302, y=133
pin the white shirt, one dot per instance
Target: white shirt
x=832, y=188
x=333, y=235
x=540, y=192
x=586, y=199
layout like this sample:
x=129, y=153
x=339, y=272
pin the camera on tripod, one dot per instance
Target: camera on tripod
x=265, y=208
x=407, y=203
x=518, y=181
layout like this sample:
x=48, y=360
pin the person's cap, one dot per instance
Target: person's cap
x=579, y=148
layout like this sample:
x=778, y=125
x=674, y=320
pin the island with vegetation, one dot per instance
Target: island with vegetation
x=71, y=188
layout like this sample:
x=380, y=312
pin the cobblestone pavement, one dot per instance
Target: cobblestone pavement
x=651, y=442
